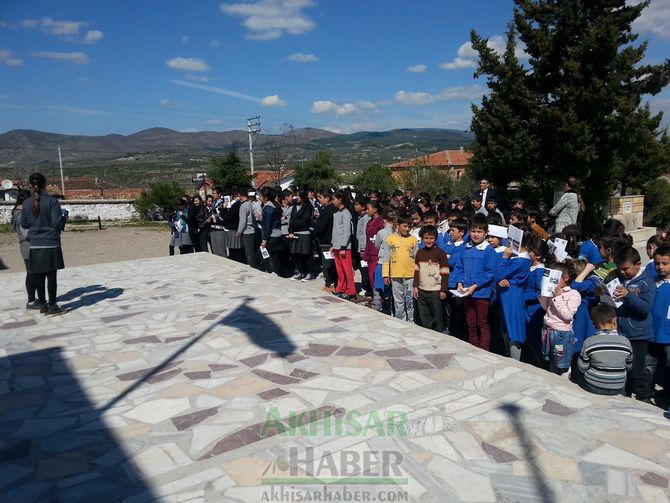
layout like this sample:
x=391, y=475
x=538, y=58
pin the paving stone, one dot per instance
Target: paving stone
x=188, y=420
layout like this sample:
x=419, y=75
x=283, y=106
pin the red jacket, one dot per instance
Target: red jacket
x=371, y=253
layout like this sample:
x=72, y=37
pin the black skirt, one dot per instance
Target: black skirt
x=302, y=245
x=45, y=260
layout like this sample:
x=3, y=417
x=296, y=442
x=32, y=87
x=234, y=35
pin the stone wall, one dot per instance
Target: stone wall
x=106, y=209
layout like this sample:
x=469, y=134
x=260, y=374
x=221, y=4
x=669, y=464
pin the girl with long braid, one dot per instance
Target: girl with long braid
x=45, y=220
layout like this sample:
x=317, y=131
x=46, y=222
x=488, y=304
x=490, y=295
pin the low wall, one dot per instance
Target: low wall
x=106, y=209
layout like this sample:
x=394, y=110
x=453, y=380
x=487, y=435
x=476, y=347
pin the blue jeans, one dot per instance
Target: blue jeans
x=557, y=347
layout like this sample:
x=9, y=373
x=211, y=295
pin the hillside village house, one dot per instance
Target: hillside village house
x=452, y=162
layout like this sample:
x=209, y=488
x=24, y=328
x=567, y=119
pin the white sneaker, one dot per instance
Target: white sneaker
x=297, y=276
x=309, y=277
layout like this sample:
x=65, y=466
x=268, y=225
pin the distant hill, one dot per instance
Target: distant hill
x=157, y=150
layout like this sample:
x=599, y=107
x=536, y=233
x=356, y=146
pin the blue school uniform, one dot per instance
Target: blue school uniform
x=476, y=266
x=650, y=270
x=582, y=325
x=531, y=296
x=660, y=313
x=516, y=271
x=454, y=251
x=590, y=252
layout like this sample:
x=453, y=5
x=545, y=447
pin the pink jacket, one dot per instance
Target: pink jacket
x=561, y=309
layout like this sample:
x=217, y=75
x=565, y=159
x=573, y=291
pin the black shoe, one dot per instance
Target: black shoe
x=54, y=309
x=44, y=308
x=32, y=306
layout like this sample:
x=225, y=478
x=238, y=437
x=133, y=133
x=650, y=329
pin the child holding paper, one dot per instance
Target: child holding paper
x=532, y=289
x=458, y=228
x=560, y=309
x=476, y=268
x=637, y=294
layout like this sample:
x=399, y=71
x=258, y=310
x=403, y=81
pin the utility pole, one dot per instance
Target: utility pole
x=62, y=182
x=254, y=127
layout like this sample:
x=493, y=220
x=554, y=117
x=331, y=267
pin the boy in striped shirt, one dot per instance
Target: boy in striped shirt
x=606, y=357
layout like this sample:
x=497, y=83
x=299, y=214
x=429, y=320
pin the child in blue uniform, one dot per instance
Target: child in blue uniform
x=534, y=311
x=586, y=285
x=511, y=276
x=661, y=316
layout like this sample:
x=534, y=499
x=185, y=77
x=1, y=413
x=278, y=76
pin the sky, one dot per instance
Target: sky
x=118, y=67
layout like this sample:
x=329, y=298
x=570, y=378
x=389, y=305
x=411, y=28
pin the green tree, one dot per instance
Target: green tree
x=589, y=80
x=229, y=171
x=160, y=195
x=657, y=202
x=505, y=146
x=318, y=173
x=423, y=178
x=376, y=177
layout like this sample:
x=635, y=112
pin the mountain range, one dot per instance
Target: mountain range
x=27, y=149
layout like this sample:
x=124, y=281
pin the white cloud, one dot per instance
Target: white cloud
x=214, y=122
x=458, y=63
x=187, y=64
x=299, y=57
x=217, y=90
x=7, y=58
x=654, y=19
x=165, y=103
x=466, y=56
x=213, y=43
x=93, y=37
x=78, y=58
x=413, y=98
x=197, y=78
x=52, y=26
x=330, y=107
x=273, y=101
x=366, y=105
x=270, y=19
x=472, y=92
x=417, y=68
x=185, y=38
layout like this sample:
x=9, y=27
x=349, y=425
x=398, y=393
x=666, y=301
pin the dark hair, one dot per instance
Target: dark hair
x=663, y=251
x=398, y=193
x=375, y=205
x=286, y=193
x=460, y=224
x=602, y=314
x=22, y=196
x=37, y=183
x=361, y=199
x=494, y=219
x=567, y=268
x=530, y=240
x=532, y=213
x=491, y=199
x=430, y=214
x=612, y=227
x=476, y=197
x=521, y=214
x=453, y=214
x=403, y=219
x=616, y=244
x=539, y=247
x=657, y=240
x=302, y=194
x=429, y=230
x=627, y=255
x=218, y=189
x=270, y=194
x=344, y=197
x=478, y=222
x=389, y=214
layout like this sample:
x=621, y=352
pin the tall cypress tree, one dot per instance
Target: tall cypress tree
x=587, y=71
x=505, y=146
x=577, y=107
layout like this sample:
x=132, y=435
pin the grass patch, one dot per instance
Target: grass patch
x=6, y=228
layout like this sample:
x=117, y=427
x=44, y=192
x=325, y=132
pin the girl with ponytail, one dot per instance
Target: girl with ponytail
x=45, y=220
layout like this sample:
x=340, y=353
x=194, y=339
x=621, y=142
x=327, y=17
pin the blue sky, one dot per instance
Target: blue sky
x=101, y=67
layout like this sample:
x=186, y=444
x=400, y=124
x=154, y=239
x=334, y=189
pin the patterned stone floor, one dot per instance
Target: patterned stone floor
x=193, y=378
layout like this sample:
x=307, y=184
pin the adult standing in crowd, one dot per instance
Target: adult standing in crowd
x=566, y=210
x=24, y=247
x=217, y=230
x=45, y=220
x=485, y=191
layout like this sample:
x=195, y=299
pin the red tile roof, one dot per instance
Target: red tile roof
x=263, y=178
x=443, y=159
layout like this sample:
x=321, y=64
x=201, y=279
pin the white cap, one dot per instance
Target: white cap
x=251, y=193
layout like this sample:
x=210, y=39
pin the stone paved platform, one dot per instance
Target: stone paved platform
x=193, y=378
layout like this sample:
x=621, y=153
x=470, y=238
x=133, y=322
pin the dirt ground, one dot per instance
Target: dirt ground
x=85, y=247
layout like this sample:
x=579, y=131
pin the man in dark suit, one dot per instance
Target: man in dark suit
x=485, y=191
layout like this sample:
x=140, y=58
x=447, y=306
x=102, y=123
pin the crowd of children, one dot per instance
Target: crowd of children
x=448, y=265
